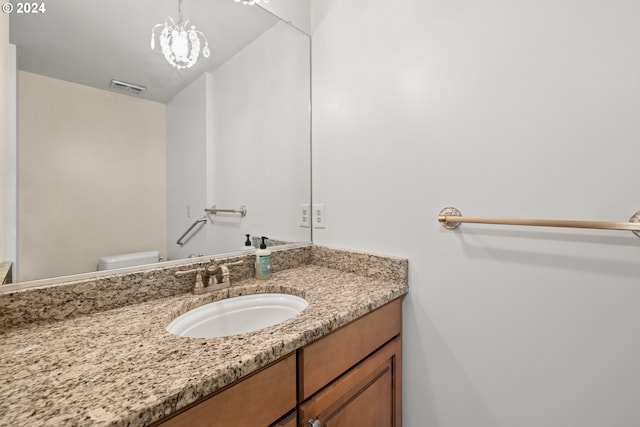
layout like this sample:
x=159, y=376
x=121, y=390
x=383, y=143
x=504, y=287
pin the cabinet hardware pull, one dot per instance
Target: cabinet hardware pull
x=315, y=423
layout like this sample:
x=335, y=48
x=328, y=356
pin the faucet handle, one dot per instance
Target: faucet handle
x=225, y=269
x=185, y=272
x=229, y=264
x=224, y=272
x=214, y=261
x=222, y=266
x=199, y=285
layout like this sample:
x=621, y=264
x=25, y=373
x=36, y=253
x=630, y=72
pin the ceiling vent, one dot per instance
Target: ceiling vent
x=126, y=87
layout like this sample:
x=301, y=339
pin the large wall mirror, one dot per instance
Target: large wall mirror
x=104, y=171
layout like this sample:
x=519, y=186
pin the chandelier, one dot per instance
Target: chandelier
x=251, y=2
x=180, y=44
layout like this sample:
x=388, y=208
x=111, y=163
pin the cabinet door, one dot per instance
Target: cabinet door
x=287, y=421
x=369, y=395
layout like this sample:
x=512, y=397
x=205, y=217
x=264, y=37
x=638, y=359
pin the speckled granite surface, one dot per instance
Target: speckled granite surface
x=120, y=367
x=77, y=298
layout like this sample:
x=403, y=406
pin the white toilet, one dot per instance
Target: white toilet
x=128, y=260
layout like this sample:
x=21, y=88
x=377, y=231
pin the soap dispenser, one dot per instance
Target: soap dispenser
x=247, y=243
x=263, y=261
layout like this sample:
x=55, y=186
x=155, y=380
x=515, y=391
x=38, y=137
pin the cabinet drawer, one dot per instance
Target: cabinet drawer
x=367, y=395
x=258, y=400
x=324, y=360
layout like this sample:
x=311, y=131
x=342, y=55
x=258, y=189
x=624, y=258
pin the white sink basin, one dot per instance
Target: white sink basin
x=237, y=315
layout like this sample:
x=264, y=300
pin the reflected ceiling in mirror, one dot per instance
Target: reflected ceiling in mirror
x=103, y=173
x=91, y=43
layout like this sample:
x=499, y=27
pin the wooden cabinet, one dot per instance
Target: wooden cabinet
x=353, y=376
x=324, y=360
x=258, y=400
x=368, y=395
x=350, y=377
x=289, y=420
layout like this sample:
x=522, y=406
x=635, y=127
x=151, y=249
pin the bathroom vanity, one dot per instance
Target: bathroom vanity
x=350, y=377
x=111, y=361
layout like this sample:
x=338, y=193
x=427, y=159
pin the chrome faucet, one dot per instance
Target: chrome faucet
x=213, y=283
x=223, y=282
x=213, y=278
x=224, y=272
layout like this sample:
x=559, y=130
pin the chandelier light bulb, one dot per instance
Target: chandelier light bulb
x=180, y=44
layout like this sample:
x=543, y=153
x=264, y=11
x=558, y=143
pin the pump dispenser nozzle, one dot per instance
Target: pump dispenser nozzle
x=263, y=245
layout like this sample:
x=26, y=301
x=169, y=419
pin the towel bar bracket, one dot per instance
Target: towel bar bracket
x=446, y=222
x=635, y=218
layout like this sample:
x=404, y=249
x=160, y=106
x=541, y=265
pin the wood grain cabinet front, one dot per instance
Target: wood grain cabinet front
x=258, y=400
x=289, y=420
x=327, y=358
x=368, y=395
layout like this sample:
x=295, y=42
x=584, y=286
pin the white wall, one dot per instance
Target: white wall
x=500, y=108
x=259, y=119
x=91, y=177
x=11, y=185
x=236, y=137
x=298, y=12
x=187, y=169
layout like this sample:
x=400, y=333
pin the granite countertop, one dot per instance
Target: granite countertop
x=121, y=368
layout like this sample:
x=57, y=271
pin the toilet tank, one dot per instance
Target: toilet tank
x=128, y=260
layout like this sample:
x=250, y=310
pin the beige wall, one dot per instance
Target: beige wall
x=91, y=176
x=4, y=126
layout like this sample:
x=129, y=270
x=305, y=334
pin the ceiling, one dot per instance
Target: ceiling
x=92, y=42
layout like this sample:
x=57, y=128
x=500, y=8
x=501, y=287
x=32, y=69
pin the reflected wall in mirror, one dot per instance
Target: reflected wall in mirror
x=103, y=173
